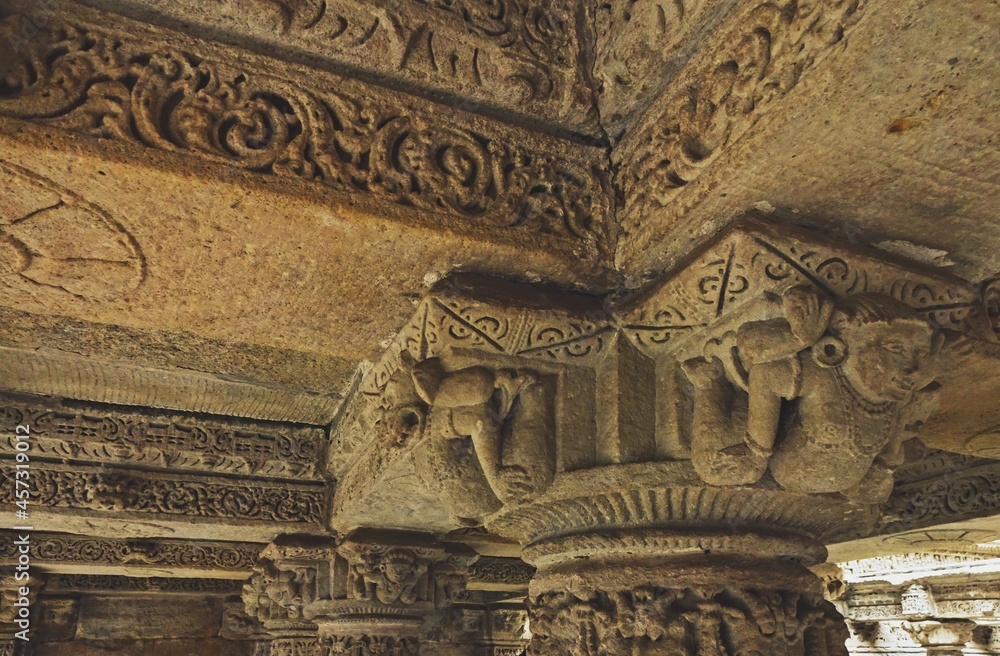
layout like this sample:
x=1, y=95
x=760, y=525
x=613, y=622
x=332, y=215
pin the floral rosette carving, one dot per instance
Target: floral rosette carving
x=455, y=168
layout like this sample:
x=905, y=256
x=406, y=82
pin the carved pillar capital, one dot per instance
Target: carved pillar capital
x=715, y=430
x=370, y=590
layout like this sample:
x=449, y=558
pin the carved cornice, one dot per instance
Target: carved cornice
x=95, y=433
x=58, y=551
x=758, y=55
x=102, y=584
x=111, y=78
x=521, y=56
x=950, y=497
x=147, y=493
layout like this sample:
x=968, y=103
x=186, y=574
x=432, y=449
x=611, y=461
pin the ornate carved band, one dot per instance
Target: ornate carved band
x=110, y=78
x=54, y=550
x=101, y=434
x=161, y=494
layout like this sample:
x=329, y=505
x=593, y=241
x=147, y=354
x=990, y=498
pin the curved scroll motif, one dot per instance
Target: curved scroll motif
x=761, y=59
x=106, y=85
x=53, y=242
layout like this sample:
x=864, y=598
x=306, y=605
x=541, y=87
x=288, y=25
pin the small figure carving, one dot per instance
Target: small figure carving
x=859, y=373
x=292, y=590
x=389, y=577
x=487, y=439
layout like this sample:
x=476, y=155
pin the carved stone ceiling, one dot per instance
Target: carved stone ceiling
x=327, y=161
x=587, y=278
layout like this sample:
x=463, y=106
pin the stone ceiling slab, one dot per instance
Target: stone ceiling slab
x=880, y=130
x=221, y=256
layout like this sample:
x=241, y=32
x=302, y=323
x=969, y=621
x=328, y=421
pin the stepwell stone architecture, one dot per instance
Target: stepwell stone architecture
x=492, y=327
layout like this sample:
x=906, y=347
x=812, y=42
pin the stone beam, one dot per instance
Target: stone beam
x=140, y=437
x=64, y=584
x=98, y=500
x=284, y=121
x=942, y=502
x=525, y=60
x=113, y=557
x=838, y=115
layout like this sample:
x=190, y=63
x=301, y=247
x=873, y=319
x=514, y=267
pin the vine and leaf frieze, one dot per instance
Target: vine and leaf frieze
x=115, y=86
x=749, y=64
x=159, y=494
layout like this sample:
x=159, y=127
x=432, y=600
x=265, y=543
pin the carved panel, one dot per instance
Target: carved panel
x=145, y=492
x=56, y=549
x=973, y=492
x=757, y=57
x=84, y=432
x=489, y=572
x=522, y=55
x=57, y=245
x=695, y=621
x=180, y=96
x=81, y=583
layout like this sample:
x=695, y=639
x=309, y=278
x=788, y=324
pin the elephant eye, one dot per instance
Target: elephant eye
x=894, y=347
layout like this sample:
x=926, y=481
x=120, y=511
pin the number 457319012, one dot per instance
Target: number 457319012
x=23, y=444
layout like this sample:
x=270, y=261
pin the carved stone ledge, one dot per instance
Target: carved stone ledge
x=112, y=584
x=518, y=56
x=198, y=507
x=360, y=143
x=94, y=433
x=75, y=554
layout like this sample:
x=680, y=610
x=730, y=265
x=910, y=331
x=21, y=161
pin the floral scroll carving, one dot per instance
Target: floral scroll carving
x=142, y=492
x=69, y=550
x=103, y=434
x=757, y=60
x=55, y=244
x=86, y=79
x=859, y=370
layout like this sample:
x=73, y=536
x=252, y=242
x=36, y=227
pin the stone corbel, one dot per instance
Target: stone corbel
x=469, y=404
x=767, y=319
